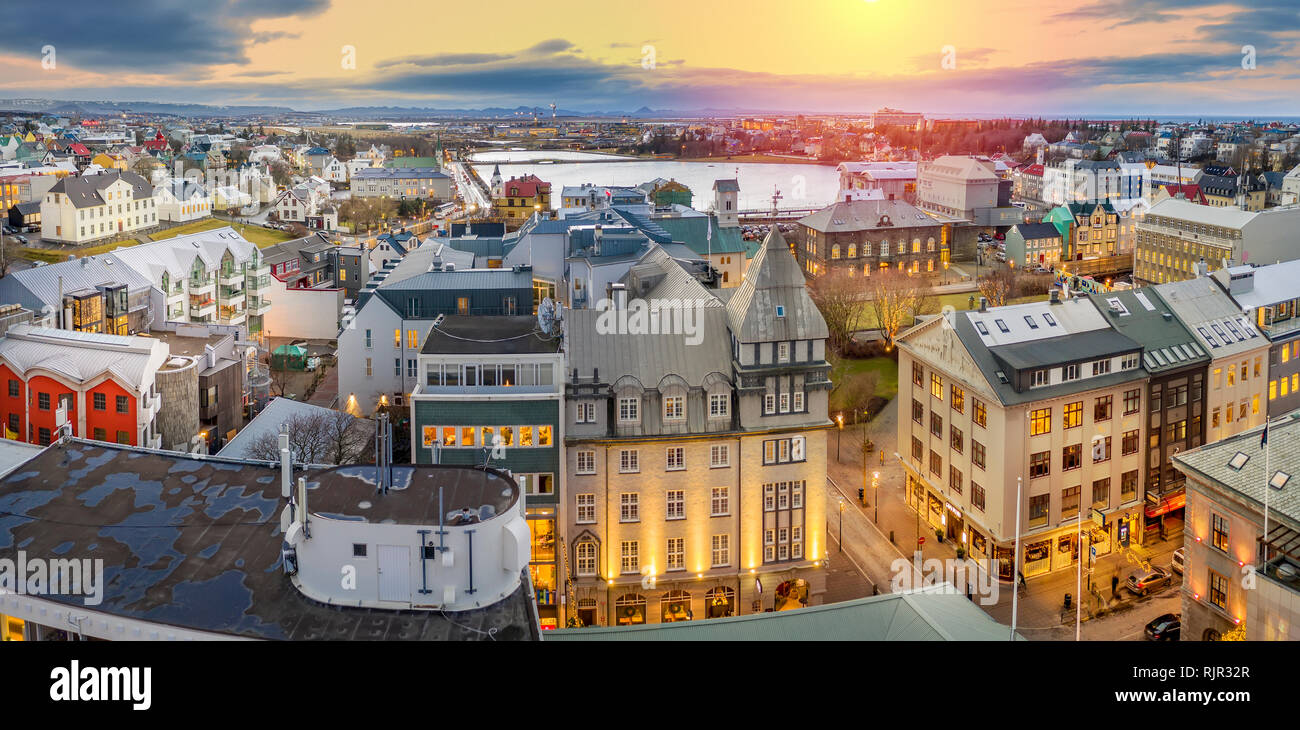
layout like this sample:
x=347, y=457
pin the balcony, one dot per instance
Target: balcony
x=230, y=277
x=206, y=285
x=258, y=305
x=149, y=406
x=258, y=283
x=202, y=308
x=231, y=315
x=154, y=443
x=175, y=294
x=232, y=297
x=259, y=270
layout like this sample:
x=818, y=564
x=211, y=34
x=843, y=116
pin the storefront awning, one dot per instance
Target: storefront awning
x=1169, y=503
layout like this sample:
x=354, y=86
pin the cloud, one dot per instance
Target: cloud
x=444, y=59
x=147, y=35
x=552, y=46
x=269, y=36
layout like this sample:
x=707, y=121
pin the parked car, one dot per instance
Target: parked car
x=10, y=230
x=1180, y=560
x=1001, y=257
x=1142, y=582
x=21, y=239
x=1165, y=628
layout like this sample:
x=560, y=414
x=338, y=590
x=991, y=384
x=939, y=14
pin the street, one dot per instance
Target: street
x=1041, y=614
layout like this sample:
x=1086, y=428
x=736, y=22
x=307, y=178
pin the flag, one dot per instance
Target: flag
x=1263, y=440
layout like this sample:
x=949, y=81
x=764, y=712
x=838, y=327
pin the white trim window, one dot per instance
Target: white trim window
x=785, y=402
x=675, y=458
x=719, y=502
x=721, y=551
x=586, y=462
x=783, y=352
x=676, y=553
x=796, y=494
x=769, y=403
x=629, y=461
x=586, y=508
x=629, y=410
x=586, y=413
x=630, y=556
x=798, y=401
x=629, y=507
x=719, y=405
x=675, y=504
x=719, y=456
x=675, y=408
x=585, y=558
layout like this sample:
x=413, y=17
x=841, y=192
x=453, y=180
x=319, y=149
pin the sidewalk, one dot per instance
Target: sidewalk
x=1041, y=602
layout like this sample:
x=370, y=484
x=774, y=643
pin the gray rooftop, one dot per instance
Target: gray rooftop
x=773, y=304
x=1217, y=321
x=1212, y=462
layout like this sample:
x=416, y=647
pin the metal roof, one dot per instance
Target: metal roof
x=772, y=303
x=81, y=356
x=269, y=421
x=1218, y=323
x=39, y=285
x=1211, y=461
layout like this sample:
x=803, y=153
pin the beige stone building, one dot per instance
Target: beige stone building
x=1174, y=235
x=1045, y=399
x=696, y=455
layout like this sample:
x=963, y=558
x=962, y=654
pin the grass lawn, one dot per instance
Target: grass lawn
x=959, y=301
x=844, y=369
x=261, y=237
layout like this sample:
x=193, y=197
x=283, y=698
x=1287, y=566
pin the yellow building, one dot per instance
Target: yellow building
x=109, y=161
x=519, y=198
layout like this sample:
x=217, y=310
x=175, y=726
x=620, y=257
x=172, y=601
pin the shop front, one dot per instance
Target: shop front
x=630, y=610
x=1163, y=515
x=791, y=594
x=542, y=566
x=1067, y=550
x=1038, y=557
x=675, y=606
x=720, y=602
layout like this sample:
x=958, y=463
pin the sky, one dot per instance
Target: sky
x=1015, y=57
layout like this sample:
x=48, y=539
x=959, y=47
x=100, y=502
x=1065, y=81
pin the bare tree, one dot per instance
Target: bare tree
x=856, y=394
x=839, y=299
x=897, y=298
x=998, y=286
x=318, y=437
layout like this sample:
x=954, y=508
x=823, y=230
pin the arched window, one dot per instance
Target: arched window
x=853, y=251
x=584, y=558
x=835, y=251
x=866, y=269
x=929, y=246
x=675, y=606
x=720, y=602
x=629, y=609
x=916, y=245
x=852, y=272
x=929, y=265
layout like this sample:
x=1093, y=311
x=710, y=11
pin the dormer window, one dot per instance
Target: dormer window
x=1040, y=378
x=780, y=311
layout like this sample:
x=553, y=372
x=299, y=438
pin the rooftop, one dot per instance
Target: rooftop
x=465, y=335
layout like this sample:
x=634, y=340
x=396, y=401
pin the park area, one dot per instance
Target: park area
x=257, y=235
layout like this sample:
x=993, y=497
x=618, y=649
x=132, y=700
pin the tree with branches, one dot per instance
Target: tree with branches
x=897, y=298
x=998, y=286
x=317, y=437
x=839, y=299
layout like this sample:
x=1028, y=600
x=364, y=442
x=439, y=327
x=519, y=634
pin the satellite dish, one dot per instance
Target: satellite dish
x=546, y=315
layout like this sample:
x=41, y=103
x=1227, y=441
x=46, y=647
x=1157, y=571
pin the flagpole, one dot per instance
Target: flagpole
x=1264, y=545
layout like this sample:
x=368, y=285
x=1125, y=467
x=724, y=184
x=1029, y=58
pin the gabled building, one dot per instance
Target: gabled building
x=179, y=200
x=91, y=208
x=860, y=237
x=1270, y=300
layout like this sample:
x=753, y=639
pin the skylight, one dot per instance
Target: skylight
x=1237, y=461
x=982, y=329
x=1029, y=320
x=1279, y=480
x=1002, y=325
x=1048, y=318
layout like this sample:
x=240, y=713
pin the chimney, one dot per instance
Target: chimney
x=984, y=304
x=1202, y=268
x=598, y=234
x=286, y=467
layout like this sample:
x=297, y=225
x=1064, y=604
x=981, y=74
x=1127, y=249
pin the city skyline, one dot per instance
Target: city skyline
x=1140, y=58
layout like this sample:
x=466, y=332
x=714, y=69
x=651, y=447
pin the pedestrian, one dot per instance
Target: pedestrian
x=1114, y=586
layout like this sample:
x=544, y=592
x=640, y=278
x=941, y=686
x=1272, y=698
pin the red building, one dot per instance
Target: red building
x=105, y=383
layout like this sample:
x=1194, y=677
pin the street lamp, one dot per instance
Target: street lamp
x=875, y=493
x=839, y=436
x=841, y=524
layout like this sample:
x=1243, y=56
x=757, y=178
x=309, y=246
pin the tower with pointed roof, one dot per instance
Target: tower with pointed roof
x=496, y=181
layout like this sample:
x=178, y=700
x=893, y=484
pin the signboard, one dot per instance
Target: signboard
x=1123, y=533
x=1098, y=518
x=920, y=541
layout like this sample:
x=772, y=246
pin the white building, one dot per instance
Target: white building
x=179, y=200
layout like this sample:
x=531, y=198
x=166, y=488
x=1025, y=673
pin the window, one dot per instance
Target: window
x=629, y=461
x=586, y=413
x=675, y=504
x=936, y=424
x=676, y=553
x=630, y=558
x=977, y=496
x=675, y=458
x=1132, y=401
x=1040, y=421
x=1128, y=485
x=917, y=374
x=954, y=479
x=100, y=434
x=1101, y=493
x=1219, y=533
x=1101, y=408
x=769, y=403
x=586, y=462
x=586, y=508
x=936, y=385
x=369, y=339
x=674, y=408
x=1100, y=367
x=100, y=402
x=1072, y=416
x=1071, y=457
x=978, y=414
x=977, y=453
x=719, y=405
x=370, y=370
x=719, y=456
x=1040, y=464
x=629, y=410
x=1070, y=372
x=629, y=507
x=1219, y=588
x=956, y=439
x=719, y=502
x=936, y=463
x=1069, y=502
x=13, y=388
x=585, y=558
x=43, y=401
x=918, y=450
x=958, y=399
x=783, y=352
x=123, y=437
x=1100, y=449
x=1038, y=508
x=918, y=411
x=721, y=551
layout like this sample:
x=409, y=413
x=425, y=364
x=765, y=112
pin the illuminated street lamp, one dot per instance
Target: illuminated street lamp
x=839, y=420
x=875, y=492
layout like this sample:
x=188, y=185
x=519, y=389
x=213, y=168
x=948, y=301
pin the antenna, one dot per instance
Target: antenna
x=546, y=315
